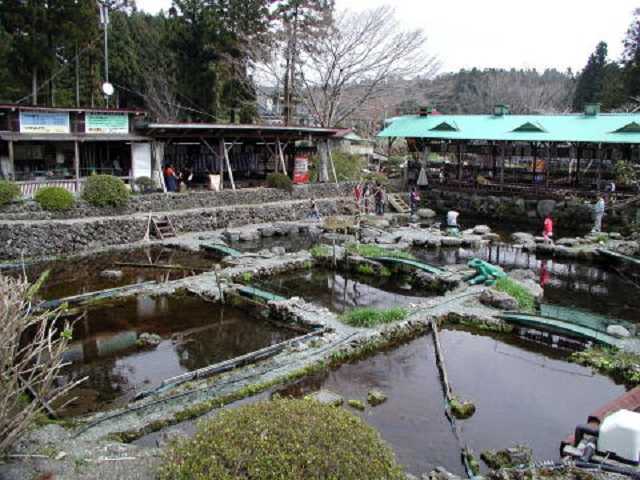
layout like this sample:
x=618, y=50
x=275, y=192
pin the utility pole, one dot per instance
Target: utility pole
x=104, y=6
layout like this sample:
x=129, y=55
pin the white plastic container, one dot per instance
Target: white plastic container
x=620, y=435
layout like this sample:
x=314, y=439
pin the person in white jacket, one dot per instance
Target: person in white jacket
x=598, y=213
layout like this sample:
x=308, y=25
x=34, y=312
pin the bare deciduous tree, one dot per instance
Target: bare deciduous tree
x=31, y=357
x=359, y=60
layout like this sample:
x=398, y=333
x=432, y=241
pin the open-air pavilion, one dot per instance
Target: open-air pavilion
x=242, y=155
x=529, y=154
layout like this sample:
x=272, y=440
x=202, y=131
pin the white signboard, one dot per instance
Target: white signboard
x=141, y=159
x=106, y=123
x=44, y=122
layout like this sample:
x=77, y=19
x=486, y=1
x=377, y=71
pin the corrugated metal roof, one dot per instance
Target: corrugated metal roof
x=602, y=128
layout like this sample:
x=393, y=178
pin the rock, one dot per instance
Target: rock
x=149, y=340
x=440, y=473
x=328, y=398
x=426, y=213
x=615, y=236
x=481, y=229
x=249, y=236
x=278, y=250
x=568, y=242
x=267, y=231
x=496, y=299
x=451, y=242
x=523, y=238
x=111, y=274
x=462, y=410
x=167, y=437
x=618, y=331
x=545, y=207
x=231, y=236
x=357, y=404
x=507, y=458
x=376, y=397
x=491, y=237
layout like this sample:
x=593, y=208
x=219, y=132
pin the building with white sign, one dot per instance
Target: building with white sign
x=60, y=146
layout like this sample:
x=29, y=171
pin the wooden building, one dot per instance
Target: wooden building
x=61, y=146
x=528, y=153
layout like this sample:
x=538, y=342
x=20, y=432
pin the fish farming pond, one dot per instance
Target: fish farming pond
x=92, y=273
x=525, y=390
x=132, y=345
x=523, y=393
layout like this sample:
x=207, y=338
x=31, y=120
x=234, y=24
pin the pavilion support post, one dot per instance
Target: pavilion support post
x=12, y=161
x=494, y=161
x=323, y=171
x=534, y=161
x=578, y=155
x=228, y=163
x=599, y=153
x=460, y=153
x=502, y=155
x=333, y=166
x=221, y=150
x=281, y=157
x=76, y=164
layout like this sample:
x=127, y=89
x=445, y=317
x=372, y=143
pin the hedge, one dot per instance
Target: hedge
x=55, y=198
x=105, y=191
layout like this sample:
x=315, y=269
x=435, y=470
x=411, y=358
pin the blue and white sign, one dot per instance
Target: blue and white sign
x=44, y=122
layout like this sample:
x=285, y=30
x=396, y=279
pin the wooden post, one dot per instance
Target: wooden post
x=459, y=173
x=502, y=158
x=534, y=157
x=226, y=159
x=333, y=166
x=76, y=163
x=494, y=162
x=221, y=148
x=12, y=164
x=578, y=155
x=599, y=167
x=281, y=157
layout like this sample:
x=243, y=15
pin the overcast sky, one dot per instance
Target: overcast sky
x=504, y=33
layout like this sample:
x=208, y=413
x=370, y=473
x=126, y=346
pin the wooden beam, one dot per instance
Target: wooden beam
x=12, y=160
x=599, y=153
x=459, y=172
x=281, y=156
x=226, y=159
x=333, y=167
x=76, y=164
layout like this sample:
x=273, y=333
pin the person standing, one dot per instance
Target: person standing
x=598, y=213
x=547, y=230
x=170, y=179
x=380, y=199
x=414, y=200
x=357, y=193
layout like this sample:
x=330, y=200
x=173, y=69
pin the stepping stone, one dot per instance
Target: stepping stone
x=328, y=398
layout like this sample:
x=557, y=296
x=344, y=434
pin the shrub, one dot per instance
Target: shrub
x=370, y=317
x=624, y=172
x=280, y=181
x=28, y=367
x=622, y=365
x=105, y=191
x=370, y=250
x=144, y=184
x=9, y=191
x=285, y=440
x=55, y=198
x=526, y=301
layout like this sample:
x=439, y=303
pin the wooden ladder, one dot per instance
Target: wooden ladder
x=163, y=227
x=398, y=203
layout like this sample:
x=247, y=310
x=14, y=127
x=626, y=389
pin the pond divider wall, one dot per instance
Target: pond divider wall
x=64, y=237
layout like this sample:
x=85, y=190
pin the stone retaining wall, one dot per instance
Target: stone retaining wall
x=63, y=237
x=161, y=202
x=572, y=214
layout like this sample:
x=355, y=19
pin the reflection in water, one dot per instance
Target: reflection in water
x=74, y=276
x=194, y=334
x=533, y=398
x=339, y=292
x=566, y=283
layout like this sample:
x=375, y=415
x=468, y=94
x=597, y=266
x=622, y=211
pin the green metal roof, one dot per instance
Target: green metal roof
x=602, y=128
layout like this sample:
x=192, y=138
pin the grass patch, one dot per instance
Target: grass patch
x=368, y=250
x=319, y=251
x=282, y=439
x=611, y=361
x=370, y=317
x=526, y=301
x=365, y=269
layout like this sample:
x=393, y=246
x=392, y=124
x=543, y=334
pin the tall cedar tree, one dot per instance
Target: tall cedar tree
x=631, y=57
x=591, y=80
